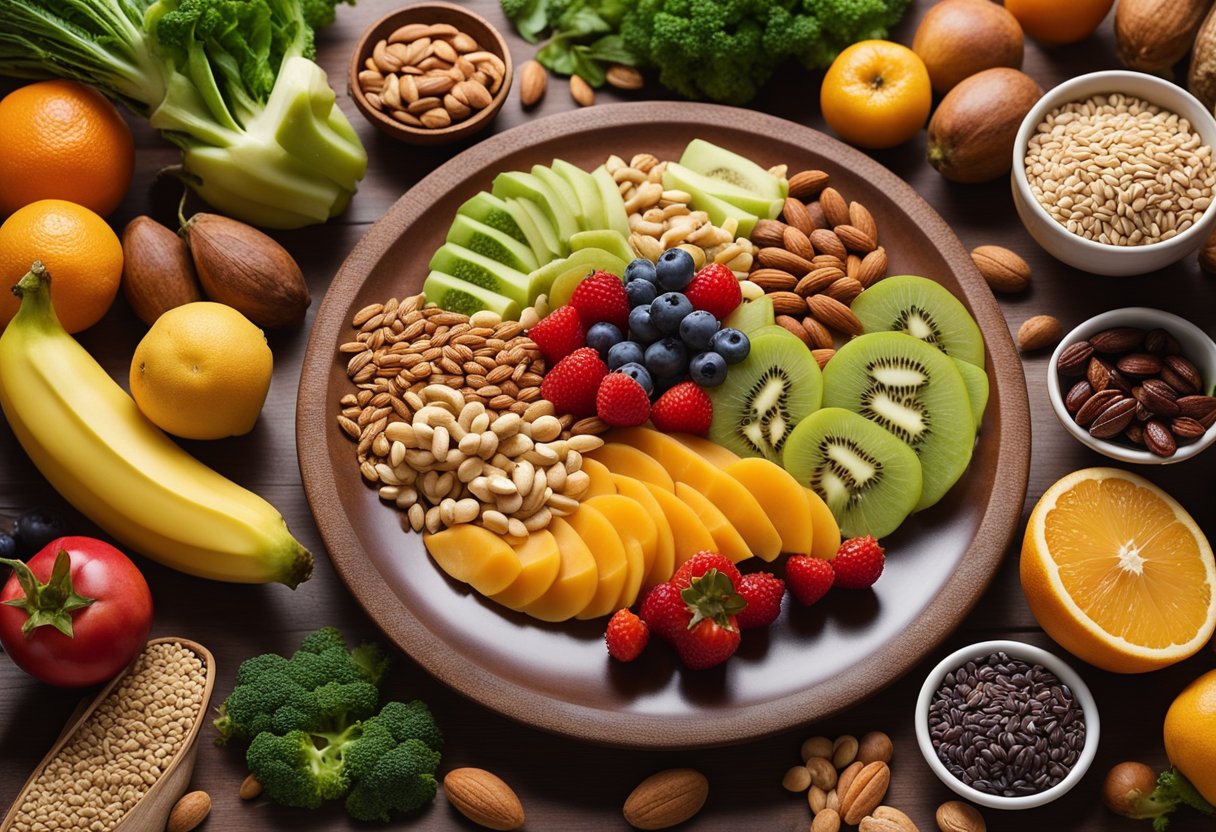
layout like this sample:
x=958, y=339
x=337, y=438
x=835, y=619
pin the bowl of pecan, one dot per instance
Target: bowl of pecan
x=1136, y=385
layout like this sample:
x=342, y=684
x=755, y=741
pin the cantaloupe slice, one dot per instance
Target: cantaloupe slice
x=688, y=533
x=476, y=556
x=601, y=479
x=727, y=540
x=576, y=579
x=731, y=498
x=623, y=459
x=782, y=499
x=609, y=553
x=713, y=453
x=827, y=531
x=663, y=564
x=638, y=533
x=540, y=560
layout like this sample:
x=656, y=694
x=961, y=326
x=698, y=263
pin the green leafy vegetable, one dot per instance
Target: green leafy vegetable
x=315, y=734
x=231, y=82
x=583, y=34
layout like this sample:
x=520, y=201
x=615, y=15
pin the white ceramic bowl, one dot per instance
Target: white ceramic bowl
x=1196, y=346
x=1032, y=655
x=1075, y=250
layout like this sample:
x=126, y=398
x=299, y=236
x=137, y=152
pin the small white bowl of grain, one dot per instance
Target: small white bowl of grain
x=1113, y=173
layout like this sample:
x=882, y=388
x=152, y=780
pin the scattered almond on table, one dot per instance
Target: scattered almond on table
x=845, y=781
x=484, y=798
x=581, y=91
x=666, y=798
x=191, y=810
x=957, y=816
x=533, y=80
x=1002, y=269
x=1039, y=332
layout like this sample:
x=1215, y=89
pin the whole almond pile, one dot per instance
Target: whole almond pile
x=845, y=781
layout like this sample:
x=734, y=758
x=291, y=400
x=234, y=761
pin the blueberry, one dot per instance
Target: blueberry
x=697, y=329
x=640, y=269
x=625, y=352
x=668, y=310
x=8, y=546
x=601, y=337
x=639, y=374
x=731, y=344
x=641, y=328
x=640, y=292
x=37, y=527
x=674, y=269
x=666, y=358
x=707, y=369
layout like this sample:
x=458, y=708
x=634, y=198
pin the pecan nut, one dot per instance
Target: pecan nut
x=1075, y=358
x=1141, y=364
x=1158, y=438
x=1118, y=339
x=1157, y=397
x=1098, y=402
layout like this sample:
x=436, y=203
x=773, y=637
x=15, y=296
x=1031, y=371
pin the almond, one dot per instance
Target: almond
x=875, y=746
x=822, y=357
x=250, y=788
x=624, y=77
x=846, y=776
x=887, y=819
x=818, y=280
x=157, y=272
x=483, y=798
x=1039, y=332
x=805, y=184
x=533, y=78
x=788, y=303
x=835, y=209
x=1003, y=270
x=834, y=314
x=797, y=242
x=854, y=238
x=666, y=798
x=957, y=816
x=873, y=267
x=189, y=812
x=1118, y=339
x=768, y=233
x=778, y=258
x=581, y=91
x=1184, y=427
x=827, y=820
x=820, y=337
x=1075, y=358
x=826, y=242
x=773, y=280
x=865, y=792
x=845, y=290
x=860, y=217
x=794, y=327
x=796, y=214
x=823, y=773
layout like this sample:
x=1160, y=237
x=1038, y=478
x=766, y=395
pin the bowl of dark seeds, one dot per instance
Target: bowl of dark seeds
x=1006, y=724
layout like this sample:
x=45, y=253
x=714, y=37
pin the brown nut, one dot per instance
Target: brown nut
x=483, y=798
x=666, y=798
x=1077, y=396
x=1039, y=332
x=844, y=751
x=816, y=799
x=1184, y=428
x=1159, y=439
x=1139, y=364
x=827, y=820
x=796, y=779
x=1074, y=359
x=251, y=788
x=533, y=79
x=865, y=793
x=887, y=819
x=191, y=810
x=846, y=776
x=1187, y=371
x=875, y=747
x=835, y=209
x=1158, y=397
x=1160, y=342
x=1114, y=419
x=807, y=183
x=823, y=773
x=795, y=214
x=1003, y=270
x=957, y=816
x=1097, y=403
x=1118, y=339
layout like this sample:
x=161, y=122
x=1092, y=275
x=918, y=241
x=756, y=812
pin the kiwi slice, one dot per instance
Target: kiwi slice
x=869, y=479
x=924, y=309
x=751, y=315
x=765, y=395
x=976, y=381
x=915, y=392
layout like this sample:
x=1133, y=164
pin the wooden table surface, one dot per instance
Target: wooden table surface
x=566, y=785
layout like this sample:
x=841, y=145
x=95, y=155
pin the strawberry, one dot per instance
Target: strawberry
x=664, y=611
x=626, y=636
x=708, y=643
x=763, y=592
x=808, y=578
x=601, y=297
x=621, y=401
x=559, y=333
x=699, y=564
x=858, y=563
x=715, y=289
x=684, y=408
x=712, y=633
x=573, y=382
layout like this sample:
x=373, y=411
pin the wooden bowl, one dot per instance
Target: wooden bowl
x=152, y=810
x=474, y=25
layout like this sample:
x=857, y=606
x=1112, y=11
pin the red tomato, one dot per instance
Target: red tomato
x=82, y=619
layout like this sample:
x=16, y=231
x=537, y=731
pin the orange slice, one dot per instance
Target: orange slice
x=1118, y=573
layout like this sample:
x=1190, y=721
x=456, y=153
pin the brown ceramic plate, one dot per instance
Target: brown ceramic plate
x=811, y=662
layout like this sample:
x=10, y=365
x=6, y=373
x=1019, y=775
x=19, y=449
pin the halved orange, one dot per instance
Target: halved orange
x=1118, y=573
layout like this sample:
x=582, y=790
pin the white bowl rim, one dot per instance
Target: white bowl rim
x=1128, y=316
x=1035, y=655
x=1062, y=94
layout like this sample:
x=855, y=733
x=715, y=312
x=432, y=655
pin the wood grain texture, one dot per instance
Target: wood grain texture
x=239, y=621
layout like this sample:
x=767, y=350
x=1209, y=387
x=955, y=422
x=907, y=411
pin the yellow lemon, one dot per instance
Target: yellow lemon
x=202, y=372
x=1118, y=573
x=1190, y=726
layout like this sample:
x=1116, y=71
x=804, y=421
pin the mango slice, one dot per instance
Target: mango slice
x=576, y=579
x=623, y=459
x=688, y=533
x=540, y=561
x=712, y=452
x=476, y=556
x=638, y=533
x=663, y=565
x=608, y=552
x=601, y=479
x=727, y=540
x=781, y=497
x=827, y=531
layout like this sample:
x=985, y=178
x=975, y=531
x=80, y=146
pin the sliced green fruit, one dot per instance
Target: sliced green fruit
x=924, y=309
x=564, y=192
x=751, y=315
x=482, y=271
x=676, y=177
x=532, y=220
x=976, y=382
x=456, y=295
x=585, y=189
x=522, y=185
x=765, y=395
x=584, y=262
x=494, y=212
x=605, y=239
x=709, y=159
x=490, y=242
x=914, y=391
x=869, y=479
x=615, y=217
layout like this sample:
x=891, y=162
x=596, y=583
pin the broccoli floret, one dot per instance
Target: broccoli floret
x=294, y=771
x=401, y=780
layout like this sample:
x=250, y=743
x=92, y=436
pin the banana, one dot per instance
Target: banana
x=90, y=440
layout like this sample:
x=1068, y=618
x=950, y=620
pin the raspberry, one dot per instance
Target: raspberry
x=685, y=408
x=601, y=297
x=859, y=562
x=573, y=382
x=699, y=564
x=626, y=636
x=716, y=290
x=808, y=578
x=763, y=592
x=559, y=334
x=621, y=401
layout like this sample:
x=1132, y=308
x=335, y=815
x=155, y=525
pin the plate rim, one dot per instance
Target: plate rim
x=937, y=620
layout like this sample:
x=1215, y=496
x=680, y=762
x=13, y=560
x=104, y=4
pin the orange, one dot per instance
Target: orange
x=81, y=252
x=1117, y=572
x=876, y=94
x=63, y=140
x=202, y=372
x=1056, y=23
x=1190, y=734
